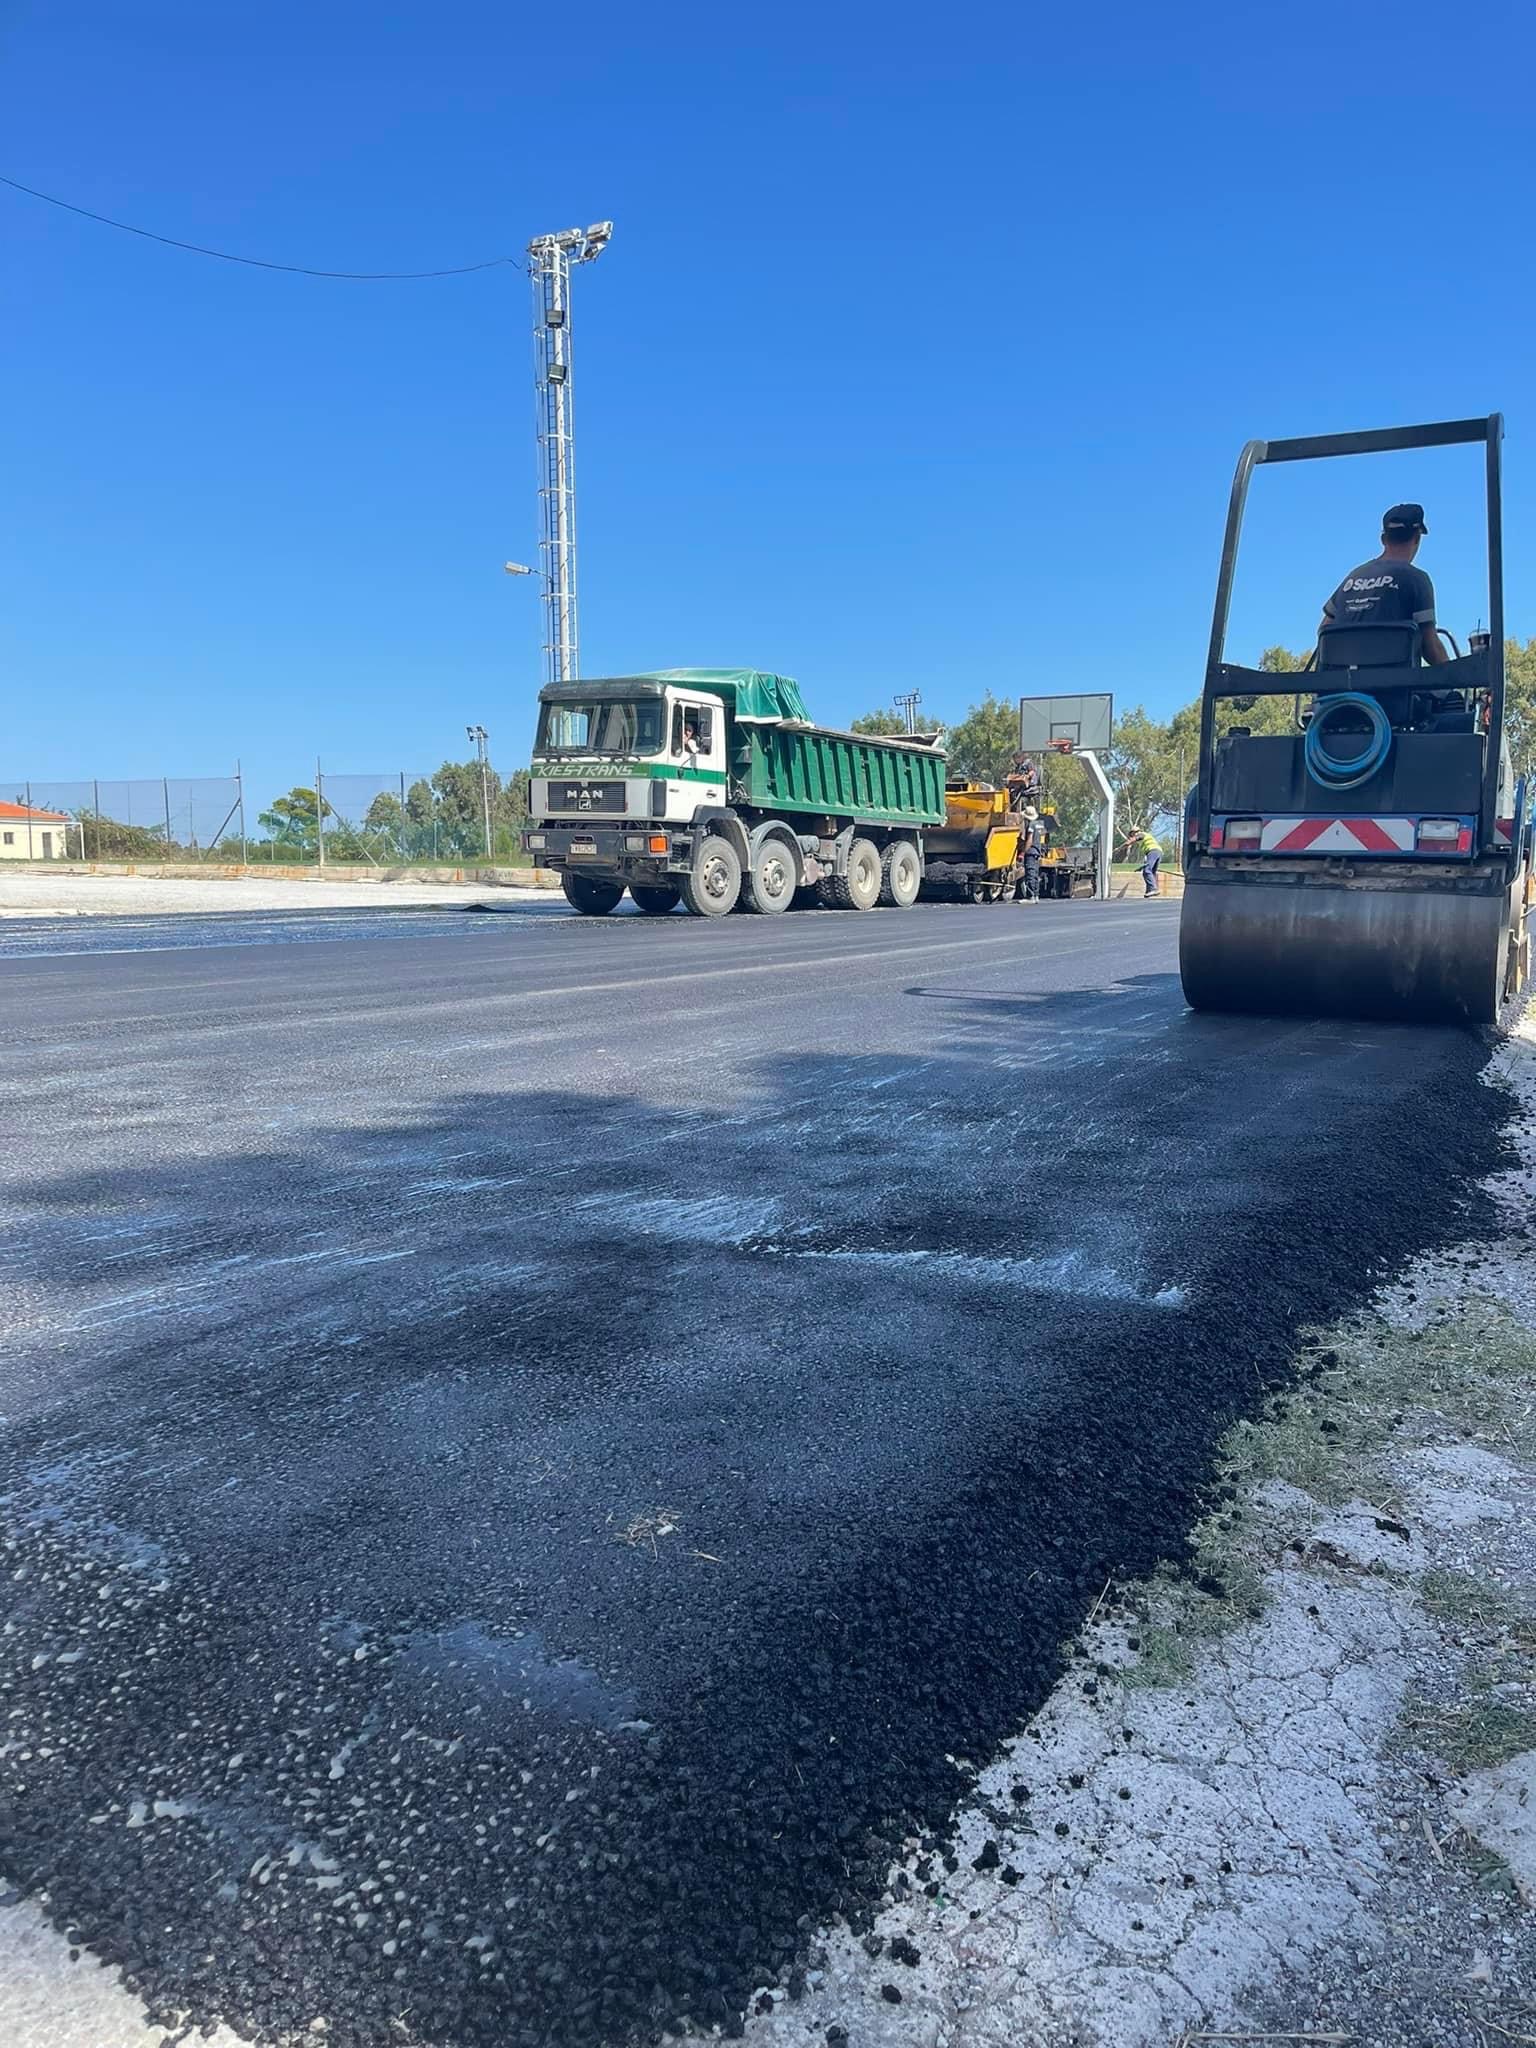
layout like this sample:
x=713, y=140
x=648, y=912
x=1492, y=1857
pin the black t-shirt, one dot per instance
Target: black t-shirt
x=1380, y=591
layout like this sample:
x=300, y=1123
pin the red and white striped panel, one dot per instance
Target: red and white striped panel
x=1337, y=835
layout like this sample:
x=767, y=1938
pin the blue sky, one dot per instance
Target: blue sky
x=921, y=356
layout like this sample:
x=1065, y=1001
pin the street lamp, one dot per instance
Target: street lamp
x=481, y=737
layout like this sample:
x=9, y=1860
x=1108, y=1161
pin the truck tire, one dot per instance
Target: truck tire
x=769, y=884
x=713, y=887
x=655, y=898
x=901, y=875
x=591, y=894
x=859, y=887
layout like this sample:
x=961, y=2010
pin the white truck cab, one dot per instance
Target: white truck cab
x=631, y=748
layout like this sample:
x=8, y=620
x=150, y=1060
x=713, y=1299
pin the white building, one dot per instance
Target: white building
x=28, y=834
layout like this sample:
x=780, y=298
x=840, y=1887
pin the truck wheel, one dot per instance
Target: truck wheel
x=859, y=888
x=769, y=885
x=901, y=875
x=715, y=883
x=655, y=898
x=590, y=894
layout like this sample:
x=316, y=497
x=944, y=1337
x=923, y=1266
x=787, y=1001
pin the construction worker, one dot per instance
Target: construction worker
x=1034, y=842
x=1151, y=857
x=1026, y=776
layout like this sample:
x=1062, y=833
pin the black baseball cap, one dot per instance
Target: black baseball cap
x=1408, y=517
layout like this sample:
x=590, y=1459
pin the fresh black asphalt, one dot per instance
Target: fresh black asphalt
x=532, y=1445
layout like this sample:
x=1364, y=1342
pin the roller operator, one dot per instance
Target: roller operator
x=1392, y=587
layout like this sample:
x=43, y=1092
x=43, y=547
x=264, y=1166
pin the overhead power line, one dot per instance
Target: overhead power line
x=258, y=262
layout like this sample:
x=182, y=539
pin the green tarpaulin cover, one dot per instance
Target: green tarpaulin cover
x=754, y=698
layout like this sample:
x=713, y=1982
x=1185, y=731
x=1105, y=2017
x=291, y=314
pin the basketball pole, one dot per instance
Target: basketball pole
x=1059, y=723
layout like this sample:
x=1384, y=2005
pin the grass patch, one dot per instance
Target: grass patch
x=1476, y=1733
x=1322, y=1436
x=1458, y=1597
x=1476, y=1369
x=1164, y=1658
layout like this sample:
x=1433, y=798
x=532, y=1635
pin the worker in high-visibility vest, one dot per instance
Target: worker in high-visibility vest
x=1151, y=856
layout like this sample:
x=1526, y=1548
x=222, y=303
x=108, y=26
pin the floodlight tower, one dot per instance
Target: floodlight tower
x=551, y=259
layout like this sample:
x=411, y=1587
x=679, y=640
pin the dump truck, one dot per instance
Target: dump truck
x=1376, y=860
x=712, y=788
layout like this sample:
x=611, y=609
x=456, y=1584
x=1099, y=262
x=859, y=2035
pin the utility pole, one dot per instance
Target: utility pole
x=550, y=261
x=481, y=738
x=907, y=706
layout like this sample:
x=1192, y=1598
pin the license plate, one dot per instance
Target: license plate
x=581, y=848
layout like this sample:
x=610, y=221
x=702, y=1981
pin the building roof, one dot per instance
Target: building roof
x=36, y=817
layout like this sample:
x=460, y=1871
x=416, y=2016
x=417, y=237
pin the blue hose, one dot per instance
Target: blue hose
x=1322, y=767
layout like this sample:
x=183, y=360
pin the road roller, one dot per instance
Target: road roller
x=1374, y=860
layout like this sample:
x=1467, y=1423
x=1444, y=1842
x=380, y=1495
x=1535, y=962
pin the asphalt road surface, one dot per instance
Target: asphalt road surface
x=531, y=1445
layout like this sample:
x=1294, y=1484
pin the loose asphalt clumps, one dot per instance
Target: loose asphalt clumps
x=293, y=1795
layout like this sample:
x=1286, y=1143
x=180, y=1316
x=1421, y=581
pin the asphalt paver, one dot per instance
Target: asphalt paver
x=537, y=1450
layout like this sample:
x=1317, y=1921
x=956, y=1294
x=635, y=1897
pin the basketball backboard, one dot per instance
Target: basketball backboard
x=1085, y=721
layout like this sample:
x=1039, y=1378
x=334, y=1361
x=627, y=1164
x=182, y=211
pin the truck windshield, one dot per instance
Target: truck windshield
x=604, y=728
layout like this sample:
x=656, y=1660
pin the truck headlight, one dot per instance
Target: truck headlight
x=634, y=842
x=534, y=841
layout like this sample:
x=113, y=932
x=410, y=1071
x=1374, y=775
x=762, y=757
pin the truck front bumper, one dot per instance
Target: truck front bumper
x=624, y=848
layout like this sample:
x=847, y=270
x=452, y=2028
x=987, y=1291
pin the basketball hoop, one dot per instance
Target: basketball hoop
x=1061, y=746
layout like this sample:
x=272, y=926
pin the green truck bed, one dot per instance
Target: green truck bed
x=779, y=761
x=797, y=768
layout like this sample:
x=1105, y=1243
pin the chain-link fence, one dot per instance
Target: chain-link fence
x=463, y=812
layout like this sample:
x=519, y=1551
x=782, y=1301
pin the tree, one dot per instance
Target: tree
x=509, y=813
x=1144, y=770
x=293, y=820
x=97, y=837
x=1280, y=661
x=1520, y=701
x=386, y=815
x=460, y=803
x=879, y=725
x=983, y=745
x=1065, y=787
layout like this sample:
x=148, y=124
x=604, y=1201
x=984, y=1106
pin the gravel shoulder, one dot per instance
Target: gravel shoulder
x=34, y=894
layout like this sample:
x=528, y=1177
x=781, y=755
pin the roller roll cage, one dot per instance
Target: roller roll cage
x=1481, y=669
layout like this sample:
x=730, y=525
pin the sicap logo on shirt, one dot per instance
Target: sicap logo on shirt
x=1370, y=582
